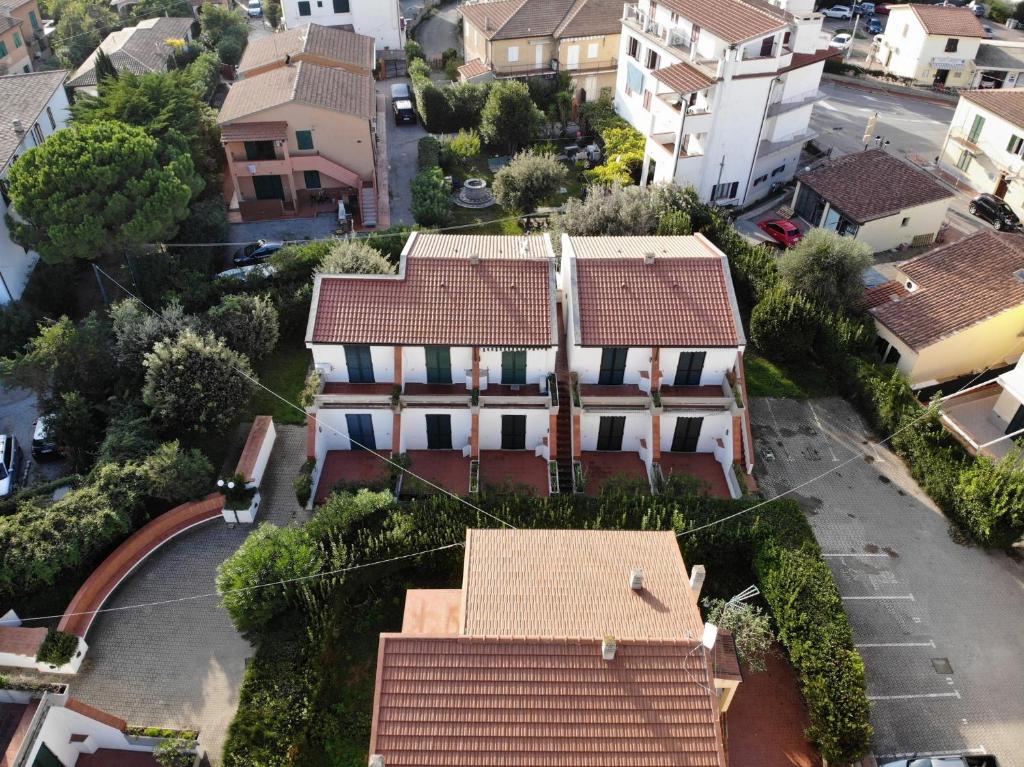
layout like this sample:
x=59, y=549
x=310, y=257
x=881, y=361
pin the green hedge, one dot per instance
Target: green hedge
x=58, y=648
x=428, y=153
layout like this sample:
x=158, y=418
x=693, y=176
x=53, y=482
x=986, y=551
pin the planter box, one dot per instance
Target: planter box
x=243, y=516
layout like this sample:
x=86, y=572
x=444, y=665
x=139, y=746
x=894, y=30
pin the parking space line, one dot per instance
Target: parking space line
x=821, y=429
x=896, y=644
x=954, y=694
x=840, y=556
x=876, y=596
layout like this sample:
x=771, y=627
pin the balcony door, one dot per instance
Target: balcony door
x=439, y=364
x=686, y=435
x=690, y=368
x=268, y=187
x=609, y=432
x=439, y=432
x=360, y=432
x=360, y=365
x=260, y=150
x=513, y=432
x=513, y=367
x=613, y=366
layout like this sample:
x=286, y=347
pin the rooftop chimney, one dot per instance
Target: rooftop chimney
x=474, y=258
x=636, y=579
x=376, y=760
x=696, y=580
x=287, y=59
x=487, y=23
x=648, y=258
x=607, y=652
x=18, y=127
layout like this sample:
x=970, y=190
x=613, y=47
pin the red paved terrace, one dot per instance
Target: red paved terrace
x=111, y=757
x=14, y=722
x=703, y=466
x=599, y=467
x=514, y=467
x=350, y=466
x=444, y=468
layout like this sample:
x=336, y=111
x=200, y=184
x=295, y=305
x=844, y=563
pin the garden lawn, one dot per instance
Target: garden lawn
x=283, y=372
x=769, y=379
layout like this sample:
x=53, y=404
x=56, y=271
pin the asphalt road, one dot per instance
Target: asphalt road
x=440, y=31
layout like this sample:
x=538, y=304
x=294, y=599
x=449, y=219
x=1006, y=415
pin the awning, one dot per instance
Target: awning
x=952, y=64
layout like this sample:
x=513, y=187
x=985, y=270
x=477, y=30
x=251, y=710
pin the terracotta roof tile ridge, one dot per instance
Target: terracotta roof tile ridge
x=539, y=639
x=572, y=13
x=295, y=81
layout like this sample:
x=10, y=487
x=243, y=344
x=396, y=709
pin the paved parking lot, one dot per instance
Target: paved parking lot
x=939, y=624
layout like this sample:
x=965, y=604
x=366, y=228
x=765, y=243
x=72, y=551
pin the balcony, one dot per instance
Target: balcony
x=767, y=147
x=597, y=468
x=604, y=397
x=433, y=394
x=673, y=41
x=717, y=397
x=968, y=416
x=339, y=393
x=792, y=103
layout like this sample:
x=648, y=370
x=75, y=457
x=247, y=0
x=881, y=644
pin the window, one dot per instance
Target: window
x=439, y=364
x=259, y=150
x=777, y=171
x=439, y=432
x=33, y=20
x=513, y=367
x=592, y=49
x=304, y=7
x=686, y=435
x=881, y=345
x=513, y=54
x=360, y=431
x=341, y=6
x=647, y=100
x=905, y=221
x=609, y=432
x=893, y=357
x=689, y=368
x=17, y=40
x=951, y=45
x=3, y=49
x=513, y=432
x=976, y=126
x=613, y=366
x=37, y=134
x=786, y=37
x=359, y=364
x=652, y=59
x=49, y=114
x=767, y=45
x=304, y=139
x=760, y=179
x=633, y=48
x=965, y=160
x=634, y=79
x=1016, y=142
x=312, y=179
x=694, y=35
x=724, y=191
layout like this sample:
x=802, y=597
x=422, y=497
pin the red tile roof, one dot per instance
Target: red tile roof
x=881, y=294
x=948, y=20
x=332, y=44
x=253, y=444
x=21, y=640
x=489, y=702
x=514, y=19
x=684, y=298
x=473, y=68
x=733, y=21
x=432, y=611
x=255, y=131
x=98, y=715
x=1007, y=103
x=960, y=285
x=683, y=78
x=505, y=299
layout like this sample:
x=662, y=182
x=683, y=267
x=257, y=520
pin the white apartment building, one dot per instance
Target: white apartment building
x=985, y=143
x=35, y=106
x=723, y=91
x=655, y=344
x=379, y=19
x=931, y=44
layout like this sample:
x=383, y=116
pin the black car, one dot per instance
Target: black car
x=44, y=446
x=995, y=211
x=255, y=252
x=403, y=112
x=401, y=92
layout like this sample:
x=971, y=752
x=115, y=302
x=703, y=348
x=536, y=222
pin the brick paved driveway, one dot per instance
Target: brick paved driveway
x=181, y=665
x=917, y=600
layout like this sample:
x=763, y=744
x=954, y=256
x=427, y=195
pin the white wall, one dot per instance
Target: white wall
x=414, y=363
x=414, y=427
x=717, y=363
x=332, y=428
x=61, y=723
x=539, y=363
x=913, y=49
x=382, y=357
x=638, y=427
x=717, y=425
x=537, y=426
x=376, y=18
x=886, y=233
x=586, y=362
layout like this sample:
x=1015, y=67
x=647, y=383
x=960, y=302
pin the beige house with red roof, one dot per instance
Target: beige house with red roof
x=449, y=362
x=517, y=38
x=954, y=311
x=325, y=46
x=931, y=44
x=562, y=647
x=655, y=344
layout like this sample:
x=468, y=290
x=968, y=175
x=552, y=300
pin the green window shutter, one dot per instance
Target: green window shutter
x=439, y=364
x=979, y=123
x=312, y=179
x=304, y=138
x=341, y=6
x=513, y=367
x=33, y=20
x=3, y=49
x=17, y=40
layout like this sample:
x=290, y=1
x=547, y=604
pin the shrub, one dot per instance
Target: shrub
x=58, y=648
x=509, y=117
x=783, y=325
x=430, y=197
x=391, y=241
x=988, y=499
x=354, y=257
x=465, y=145
x=750, y=627
x=272, y=12
x=827, y=268
x=527, y=181
x=175, y=475
x=229, y=51
x=414, y=51
x=624, y=156
x=303, y=482
x=675, y=222
x=428, y=153
x=175, y=752
x=17, y=326
x=249, y=324
x=449, y=54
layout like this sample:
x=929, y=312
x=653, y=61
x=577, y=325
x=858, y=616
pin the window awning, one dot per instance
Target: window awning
x=952, y=64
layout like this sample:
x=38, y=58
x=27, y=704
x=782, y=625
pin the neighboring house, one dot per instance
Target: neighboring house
x=324, y=46
x=380, y=19
x=655, y=344
x=575, y=647
x=722, y=91
x=35, y=105
x=998, y=65
x=516, y=38
x=985, y=144
x=956, y=310
x=988, y=419
x=21, y=31
x=874, y=198
x=299, y=133
x=448, y=362
x=140, y=49
x=931, y=44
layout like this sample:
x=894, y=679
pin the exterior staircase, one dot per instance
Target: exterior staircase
x=564, y=420
x=368, y=204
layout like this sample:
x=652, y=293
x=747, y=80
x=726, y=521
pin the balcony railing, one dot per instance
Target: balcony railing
x=794, y=102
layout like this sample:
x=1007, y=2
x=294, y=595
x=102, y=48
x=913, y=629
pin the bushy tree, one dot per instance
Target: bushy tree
x=222, y=22
x=465, y=145
x=80, y=30
x=136, y=329
x=148, y=9
x=269, y=554
x=675, y=222
x=431, y=201
x=989, y=499
x=509, y=118
x=272, y=12
x=203, y=74
x=354, y=257
x=175, y=475
x=413, y=51
x=248, y=323
x=528, y=180
x=229, y=50
x=611, y=210
x=17, y=326
x=827, y=267
x=624, y=157
x=784, y=324
x=196, y=383
x=76, y=426
x=129, y=437
x=98, y=189
x=751, y=630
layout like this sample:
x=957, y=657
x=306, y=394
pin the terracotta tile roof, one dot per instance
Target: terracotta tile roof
x=726, y=662
x=473, y=68
x=261, y=425
x=73, y=704
x=948, y=20
x=255, y=131
x=329, y=43
x=490, y=702
x=588, y=18
x=1007, y=103
x=684, y=298
x=24, y=97
x=881, y=294
x=139, y=49
x=873, y=184
x=335, y=89
x=512, y=19
x=21, y=640
x=432, y=611
x=960, y=285
x=490, y=17
x=575, y=583
x=506, y=299
x=733, y=21
x=683, y=78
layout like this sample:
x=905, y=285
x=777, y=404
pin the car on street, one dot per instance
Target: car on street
x=989, y=34
x=838, y=12
x=970, y=760
x=882, y=10
x=10, y=459
x=44, y=446
x=874, y=26
x=841, y=41
x=864, y=9
x=990, y=208
x=404, y=113
x=784, y=232
x=254, y=9
x=255, y=252
x=252, y=271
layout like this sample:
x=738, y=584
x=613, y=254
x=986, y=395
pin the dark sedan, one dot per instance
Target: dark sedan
x=255, y=252
x=990, y=208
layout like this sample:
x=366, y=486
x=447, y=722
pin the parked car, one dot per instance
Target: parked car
x=882, y=10
x=990, y=208
x=784, y=232
x=245, y=272
x=838, y=12
x=254, y=9
x=255, y=252
x=989, y=34
x=841, y=41
x=864, y=9
x=970, y=760
x=979, y=9
x=44, y=446
x=403, y=111
x=401, y=92
x=874, y=26
x=10, y=460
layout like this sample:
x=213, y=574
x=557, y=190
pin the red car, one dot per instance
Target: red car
x=783, y=232
x=881, y=10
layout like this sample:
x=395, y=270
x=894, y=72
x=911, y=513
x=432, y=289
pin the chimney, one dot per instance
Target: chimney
x=487, y=23
x=287, y=59
x=474, y=258
x=607, y=652
x=648, y=258
x=376, y=760
x=696, y=580
x=18, y=127
x=636, y=579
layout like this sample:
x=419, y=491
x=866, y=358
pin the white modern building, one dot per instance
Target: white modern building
x=723, y=91
x=931, y=44
x=35, y=106
x=449, y=363
x=379, y=19
x=655, y=344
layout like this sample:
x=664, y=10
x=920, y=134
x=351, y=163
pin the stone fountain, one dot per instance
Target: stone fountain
x=474, y=194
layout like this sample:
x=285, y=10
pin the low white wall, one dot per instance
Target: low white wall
x=264, y=456
x=888, y=233
x=539, y=362
x=586, y=362
x=332, y=357
x=61, y=723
